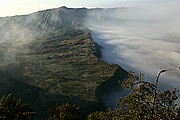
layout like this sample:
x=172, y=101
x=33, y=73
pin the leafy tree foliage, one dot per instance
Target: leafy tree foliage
x=103, y=115
x=145, y=102
x=13, y=109
x=64, y=112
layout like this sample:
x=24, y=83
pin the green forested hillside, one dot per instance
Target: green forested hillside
x=56, y=67
x=48, y=58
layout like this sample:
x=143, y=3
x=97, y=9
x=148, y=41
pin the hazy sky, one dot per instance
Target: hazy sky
x=18, y=7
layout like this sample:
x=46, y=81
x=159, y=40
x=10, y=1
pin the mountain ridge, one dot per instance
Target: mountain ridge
x=59, y=60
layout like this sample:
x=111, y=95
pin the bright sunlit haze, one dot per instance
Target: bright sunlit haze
x=20, y=7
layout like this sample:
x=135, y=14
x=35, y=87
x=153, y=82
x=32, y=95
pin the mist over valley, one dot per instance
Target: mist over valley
x=81, y=55
x=144, y=39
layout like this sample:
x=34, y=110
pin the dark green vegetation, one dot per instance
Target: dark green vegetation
x=49, y=57
x=144, y=102
x=58, y=67
x=65, y=112
x=13, y=109
x=66, y=64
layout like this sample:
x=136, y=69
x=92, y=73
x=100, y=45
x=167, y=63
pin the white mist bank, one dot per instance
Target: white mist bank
x=146, y=53
x=142, y=52
x=144, y=39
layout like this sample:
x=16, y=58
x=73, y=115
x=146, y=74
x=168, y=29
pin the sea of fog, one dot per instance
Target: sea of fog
x=141, y=50
x=140, y=47
x=144, y=38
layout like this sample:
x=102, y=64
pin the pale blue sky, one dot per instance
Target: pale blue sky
x=18, y=7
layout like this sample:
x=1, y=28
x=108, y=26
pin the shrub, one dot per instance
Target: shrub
x=13, y=109
x=64, y=112
x=144, y=102
x=102, y=115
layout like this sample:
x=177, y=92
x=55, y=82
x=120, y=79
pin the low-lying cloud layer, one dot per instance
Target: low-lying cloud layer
x=145, y=38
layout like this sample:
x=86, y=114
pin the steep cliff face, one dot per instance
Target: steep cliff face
x=54, y=60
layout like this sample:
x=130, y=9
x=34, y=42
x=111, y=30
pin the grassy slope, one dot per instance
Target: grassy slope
x=66, y=65
x=57, y=67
